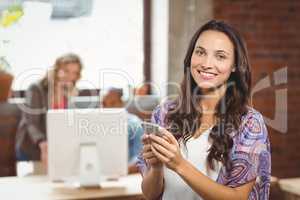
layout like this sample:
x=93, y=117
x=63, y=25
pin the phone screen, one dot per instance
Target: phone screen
x=150, y=128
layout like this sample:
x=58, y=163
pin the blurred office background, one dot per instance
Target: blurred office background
x=125, y=43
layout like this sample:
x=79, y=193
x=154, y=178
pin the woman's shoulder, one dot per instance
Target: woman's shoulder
x=36, y=94
x=38, y=86
x=253, y=121
x=252, y=130
x=252, y=112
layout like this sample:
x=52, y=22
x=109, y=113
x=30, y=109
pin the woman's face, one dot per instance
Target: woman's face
x=69, y=73
x=212, y=59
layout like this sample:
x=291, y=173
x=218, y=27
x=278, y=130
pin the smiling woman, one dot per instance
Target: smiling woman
x=212, y=60
x=214, y=145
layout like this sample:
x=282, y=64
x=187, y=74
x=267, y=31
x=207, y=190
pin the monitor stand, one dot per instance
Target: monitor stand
x=89, y=171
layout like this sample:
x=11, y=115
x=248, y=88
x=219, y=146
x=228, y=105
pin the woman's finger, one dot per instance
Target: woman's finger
x=145, y=139
x=166, y=138
x=159, y=156
x=148, y=155
x=146, y=148
x=168, y=154
x=169, y=135
x=161, y=141
x=152, y=161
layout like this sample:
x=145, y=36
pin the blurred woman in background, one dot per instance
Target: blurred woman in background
x=52, y=92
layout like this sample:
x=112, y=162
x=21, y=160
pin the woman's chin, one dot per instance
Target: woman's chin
x=207, y=86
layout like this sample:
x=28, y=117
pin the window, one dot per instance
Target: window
x=110, y=39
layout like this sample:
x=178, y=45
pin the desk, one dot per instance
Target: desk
x=291, y=187
x=40, y=188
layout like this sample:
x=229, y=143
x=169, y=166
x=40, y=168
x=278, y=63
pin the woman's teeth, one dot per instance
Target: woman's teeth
x=206, y=74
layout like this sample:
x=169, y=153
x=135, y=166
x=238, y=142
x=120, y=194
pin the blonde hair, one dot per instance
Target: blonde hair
x=61, y=61
x=50, y=81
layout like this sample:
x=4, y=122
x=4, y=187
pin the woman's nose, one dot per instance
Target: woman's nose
x=207, y=62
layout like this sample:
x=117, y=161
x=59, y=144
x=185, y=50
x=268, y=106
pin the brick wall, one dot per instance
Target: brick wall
x=272, y=33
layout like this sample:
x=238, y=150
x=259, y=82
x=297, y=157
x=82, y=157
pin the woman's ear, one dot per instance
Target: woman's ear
x=233, y=69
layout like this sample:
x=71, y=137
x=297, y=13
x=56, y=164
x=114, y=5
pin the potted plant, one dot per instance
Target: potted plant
x=8, y=17
x=5, y=80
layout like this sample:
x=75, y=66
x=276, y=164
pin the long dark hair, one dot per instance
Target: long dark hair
x=185, y=115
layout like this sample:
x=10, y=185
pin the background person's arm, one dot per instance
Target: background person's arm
x=135, y=132
x=35, y=110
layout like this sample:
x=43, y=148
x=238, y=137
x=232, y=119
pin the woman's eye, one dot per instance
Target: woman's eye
x=220, y=57
x=199, y=52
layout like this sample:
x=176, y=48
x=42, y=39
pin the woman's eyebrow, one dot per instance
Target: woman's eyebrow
x=218, y=51
x=199, y=47
x=223, y=51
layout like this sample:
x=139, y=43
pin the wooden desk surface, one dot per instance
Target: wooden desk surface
x=291, y=185
x=40, y=188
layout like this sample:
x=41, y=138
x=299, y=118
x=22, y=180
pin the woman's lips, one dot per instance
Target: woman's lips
x=206, y=75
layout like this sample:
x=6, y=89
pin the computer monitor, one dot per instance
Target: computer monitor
x=87, y=145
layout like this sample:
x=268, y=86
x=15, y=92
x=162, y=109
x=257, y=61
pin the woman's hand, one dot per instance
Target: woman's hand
x=167, y=149
x=148, y=155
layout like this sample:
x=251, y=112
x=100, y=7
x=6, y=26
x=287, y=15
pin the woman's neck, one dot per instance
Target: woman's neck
x=208, y=103
x=211, y=98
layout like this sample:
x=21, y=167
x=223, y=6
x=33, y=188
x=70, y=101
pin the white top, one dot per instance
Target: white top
x=196, y=153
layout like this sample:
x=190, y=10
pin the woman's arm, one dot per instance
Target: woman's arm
x=209, y=189
x=169, y=153
x=152, y=184
x=135, y=133
x=34, y=111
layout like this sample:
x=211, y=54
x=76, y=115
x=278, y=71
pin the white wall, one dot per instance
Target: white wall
x=111, y=38
x=160, y=35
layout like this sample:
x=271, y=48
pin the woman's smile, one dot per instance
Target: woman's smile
x=206, y=75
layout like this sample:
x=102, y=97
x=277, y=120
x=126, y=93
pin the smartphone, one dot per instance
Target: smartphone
x=150, y=128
